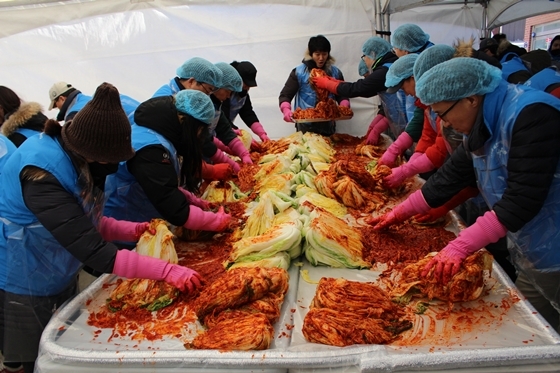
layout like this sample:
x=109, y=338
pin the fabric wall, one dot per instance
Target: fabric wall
x=138, y=45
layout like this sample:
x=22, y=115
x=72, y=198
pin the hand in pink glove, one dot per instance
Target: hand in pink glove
x=403, y=142
x=344, y=103
x=258, y=129
x=121, y=230
x=373, y=135
x=487, y=229
x=438, y=212
x=130, y=264
x=414, y=204
x=220, y=171
x=327, y=82
x=286, y=109
x=220, y=157
x=194, y=200
x=240, y=150
x=399, y=174
x=207, y=221
x=220, y=145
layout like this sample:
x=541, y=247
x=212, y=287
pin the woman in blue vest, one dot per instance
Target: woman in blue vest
x=20, y=119
x=51, y=222
x=155, y=183
x=317, y=56
x=510, y=151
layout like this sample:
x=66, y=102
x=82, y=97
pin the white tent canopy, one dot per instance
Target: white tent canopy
x=138, y=44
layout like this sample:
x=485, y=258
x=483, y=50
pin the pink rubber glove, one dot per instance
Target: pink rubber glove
x=237, y=131
x=286, y=109
x=194, y=200
x=240, y=150
x=220, y=145
x=199, y=220
x=344, y=103
x=377, y=118
x=403, y=142
x=220, y=157
x=414, y=204
x=417, y=166
x=130, y=264
x=121, y=230
x=414, y=156
x=487, y=229
x=258, y=129
x=373, y=135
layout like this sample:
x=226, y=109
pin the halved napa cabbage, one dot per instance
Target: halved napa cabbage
x=160, y=245
x=278, y=260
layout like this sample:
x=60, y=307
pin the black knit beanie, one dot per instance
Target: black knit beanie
x=100, y=131
x=318, y=43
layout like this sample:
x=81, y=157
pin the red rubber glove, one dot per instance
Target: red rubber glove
x=199, y=220
x=194, y=200
x=327, y=82
x=487, y=229
x=220, y=171
x=220, y=145
x=344, y=103
x=286, y=109
x=258, y=130
x=414, y=204
x=401, y=144
x=381, y=125
x=417, y=166
x=130, y=264
x=221, y=157
x=240, y=150
x=438, y=212
x=121, y=230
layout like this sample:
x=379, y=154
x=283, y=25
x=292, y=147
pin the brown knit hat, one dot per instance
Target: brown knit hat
x=100, y=131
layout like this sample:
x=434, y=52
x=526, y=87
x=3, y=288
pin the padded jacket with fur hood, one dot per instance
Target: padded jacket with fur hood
x=29, y=116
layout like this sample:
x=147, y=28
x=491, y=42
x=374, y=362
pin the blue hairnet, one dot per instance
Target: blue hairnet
x=202, y=70
x=400, y=70
x=457, y=78
x=195, y=103
x=430, y=57
x=409, y=37
x=231, y=79
x=376, y=47
x=362, y=68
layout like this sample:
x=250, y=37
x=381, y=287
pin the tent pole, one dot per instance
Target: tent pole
x=378, y=19
x=387, y=25
x=484, y=31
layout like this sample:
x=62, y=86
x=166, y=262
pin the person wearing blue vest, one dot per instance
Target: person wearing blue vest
x=240, y=102
x=407, y=39
x=19, y=120
x=510, y=151
x=69, y=101
x=223, y=138
x=51, y=222
x=317, y=56
x=155, y=183
x=202, y=75
x=378, y=57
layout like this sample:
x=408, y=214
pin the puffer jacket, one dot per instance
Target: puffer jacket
x=24, y=122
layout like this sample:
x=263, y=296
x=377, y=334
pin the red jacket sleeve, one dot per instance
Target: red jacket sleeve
x=428, y=137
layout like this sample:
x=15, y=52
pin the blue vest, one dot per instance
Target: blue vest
x=126, y=200
x=167, y=89
x=27, y=132
x=543, y=79
x=6, y=149
x=128, y=103
x=32, y=262
x=306, y=97
x=512, y=66
x=537, y=244
x=236, y=102
x=395, y=108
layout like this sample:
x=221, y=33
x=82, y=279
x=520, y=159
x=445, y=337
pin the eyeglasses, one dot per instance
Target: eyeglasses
x=448, y=110
x=363, y=56
x=206, y=89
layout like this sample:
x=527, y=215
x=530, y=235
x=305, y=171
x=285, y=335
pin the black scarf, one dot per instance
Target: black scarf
x=67, y=102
